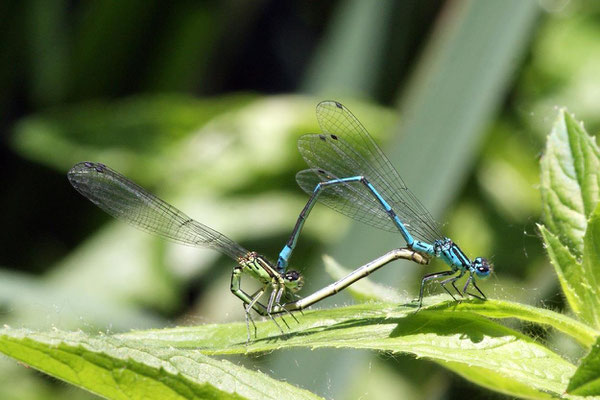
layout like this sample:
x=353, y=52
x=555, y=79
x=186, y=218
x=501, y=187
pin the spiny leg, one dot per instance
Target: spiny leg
x=430, y=277
x=255, y=296
x=270, y=308
x=276, y=324
x=288, y=312
x=448, y=291
x=249, y=319
x=472, y=280
x=453, y=282
x=247, y=308
x=298, y=297
x=251, y=301
x=278, y=302
x=284, y=321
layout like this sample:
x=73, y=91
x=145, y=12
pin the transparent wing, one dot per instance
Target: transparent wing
x=346, y=149
x=125, y=200
x=351, y=199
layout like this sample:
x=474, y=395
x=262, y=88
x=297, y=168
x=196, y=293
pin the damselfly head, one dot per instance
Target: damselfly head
x=293, y=280
x=482, y=267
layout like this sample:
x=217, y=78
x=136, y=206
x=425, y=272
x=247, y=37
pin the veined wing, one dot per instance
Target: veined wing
x=346, y=149
x=125, y=200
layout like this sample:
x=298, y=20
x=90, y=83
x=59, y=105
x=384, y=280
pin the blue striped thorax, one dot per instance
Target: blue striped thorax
x=448, y=251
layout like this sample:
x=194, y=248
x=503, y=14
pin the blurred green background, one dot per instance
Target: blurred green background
x=202, y=103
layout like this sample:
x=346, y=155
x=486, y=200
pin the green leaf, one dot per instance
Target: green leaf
x=570, y=192
x=570, y=274
x=124, y=369
x=590, y=275
x=467, y=343
x=570, y=179
x=173, y=363
x=500, y=309
x=586, y=381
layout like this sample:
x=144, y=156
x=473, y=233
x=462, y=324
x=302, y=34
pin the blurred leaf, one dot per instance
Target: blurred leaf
x=468, y=224
x=118, y=265
x=179, y=138
x=565, y=58
x=349, y=60
x=451, y=98
x=380, y=380
x=108, y=42
x=184, y=51
x=35, y=302
x=47, y=35
x=18, y=382
x=570, y=185
x=132, y=131
x=125, y=369
x=463, y=341
x=507, y=162
x=586, y=380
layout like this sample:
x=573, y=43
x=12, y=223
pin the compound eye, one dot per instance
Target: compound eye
x=482, y=267
x=292, y=276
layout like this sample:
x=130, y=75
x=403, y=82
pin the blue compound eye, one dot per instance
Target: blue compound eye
x=482, y=267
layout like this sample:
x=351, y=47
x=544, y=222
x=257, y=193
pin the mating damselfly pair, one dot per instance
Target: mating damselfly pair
x=348, y=172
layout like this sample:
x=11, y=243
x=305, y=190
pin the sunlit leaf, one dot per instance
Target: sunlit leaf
x=570, y=181
x=586, y=381
x=463, y=341
x=126, y=369
x=570, y=193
